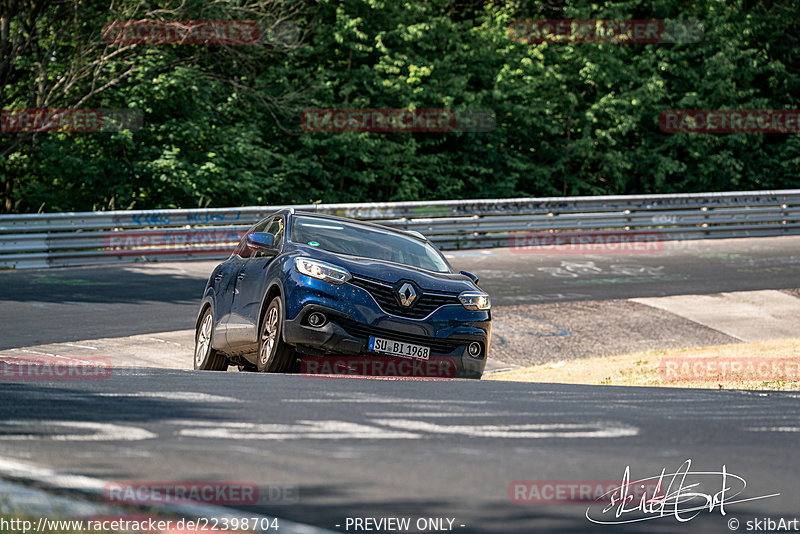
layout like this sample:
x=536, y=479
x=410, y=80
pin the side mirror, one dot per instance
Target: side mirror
x=261, y=240
x=471, y=276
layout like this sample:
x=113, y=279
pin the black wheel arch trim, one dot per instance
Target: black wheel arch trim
x=274, y=288
x=208, y=301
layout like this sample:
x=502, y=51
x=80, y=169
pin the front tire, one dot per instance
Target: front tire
x=205, y=357
x=274, y=356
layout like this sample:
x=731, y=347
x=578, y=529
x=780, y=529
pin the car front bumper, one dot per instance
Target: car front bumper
x=345, y=335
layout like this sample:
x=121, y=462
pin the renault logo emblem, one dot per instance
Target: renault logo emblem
x=406, y=295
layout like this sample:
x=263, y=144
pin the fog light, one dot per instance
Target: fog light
x=316, y=319
x=474, y=349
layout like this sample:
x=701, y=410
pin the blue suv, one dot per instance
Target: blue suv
x=309, y=286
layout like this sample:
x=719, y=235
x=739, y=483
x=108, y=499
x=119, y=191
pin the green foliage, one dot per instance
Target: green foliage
x=571, y=118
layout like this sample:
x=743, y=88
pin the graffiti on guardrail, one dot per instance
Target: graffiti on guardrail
x=685, y=220
x=213, y=217
x=162, y=217
x=150, y=218
x=176, y=241
x=428, y=210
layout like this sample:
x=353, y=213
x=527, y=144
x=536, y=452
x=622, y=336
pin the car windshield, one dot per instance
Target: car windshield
x=355, y=239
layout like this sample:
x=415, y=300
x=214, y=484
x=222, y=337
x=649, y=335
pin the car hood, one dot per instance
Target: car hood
x=393, y=272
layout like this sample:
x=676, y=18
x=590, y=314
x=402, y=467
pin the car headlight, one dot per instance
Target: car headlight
x=475, y=300
x=321, y=270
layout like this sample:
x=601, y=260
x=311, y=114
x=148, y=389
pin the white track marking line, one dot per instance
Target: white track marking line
x=556, y=430
x=33, y=501
x=405, y=429
x=189, y=396
x=102, y=431
x=80, y=346
x=51, y=478
x=427, y=415
x=774, y=429
x=30, y=351
x=301, y=430
x=162, y=341
x=27, y=471
x=375, y=399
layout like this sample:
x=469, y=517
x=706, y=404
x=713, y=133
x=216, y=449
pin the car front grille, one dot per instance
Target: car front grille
x=383, y=293
x=440, y=345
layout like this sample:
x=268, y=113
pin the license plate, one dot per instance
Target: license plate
x=399, y=348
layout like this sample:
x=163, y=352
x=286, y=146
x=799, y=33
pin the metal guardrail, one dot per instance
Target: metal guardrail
x=69, y=239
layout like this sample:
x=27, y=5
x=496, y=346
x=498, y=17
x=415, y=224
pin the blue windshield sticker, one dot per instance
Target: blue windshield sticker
x=313, y=243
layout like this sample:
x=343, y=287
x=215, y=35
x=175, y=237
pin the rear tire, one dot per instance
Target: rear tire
x=274, y=356
x=205, y=357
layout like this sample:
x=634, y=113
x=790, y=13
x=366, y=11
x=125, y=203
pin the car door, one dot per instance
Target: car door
x=224, y=280
x=249, y=290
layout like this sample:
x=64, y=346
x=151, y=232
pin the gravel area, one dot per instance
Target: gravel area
x=542, y=333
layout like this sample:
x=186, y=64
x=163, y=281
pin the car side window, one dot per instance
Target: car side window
x=274, y=227
x=242, y=250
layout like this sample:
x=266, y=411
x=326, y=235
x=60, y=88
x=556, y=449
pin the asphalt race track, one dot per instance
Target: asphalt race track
x=379, y=448
x=73, y=304
x=372, y=448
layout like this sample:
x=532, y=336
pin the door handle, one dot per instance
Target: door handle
x=241, y=275
x=218, y=277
